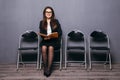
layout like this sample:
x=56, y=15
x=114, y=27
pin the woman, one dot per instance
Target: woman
x=48, y=26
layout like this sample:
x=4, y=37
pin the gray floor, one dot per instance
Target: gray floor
x=29, y=72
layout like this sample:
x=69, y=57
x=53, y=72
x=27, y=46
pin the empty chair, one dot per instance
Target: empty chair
x=57, y=56
x=99, y=48
x=75, y=48
x=28, y=51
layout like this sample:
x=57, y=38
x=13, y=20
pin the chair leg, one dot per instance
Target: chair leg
x=110, y=61
x=107, y=58
x=90, y=61
x=65, y=60
x=40, y=62
x=18, y=60
x=85, y=59
x=60, y=60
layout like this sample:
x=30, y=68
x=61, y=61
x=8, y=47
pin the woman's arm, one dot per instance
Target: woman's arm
x=59, y=30
x=41, y=30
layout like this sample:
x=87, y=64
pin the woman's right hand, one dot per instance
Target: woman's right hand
x=47, y=38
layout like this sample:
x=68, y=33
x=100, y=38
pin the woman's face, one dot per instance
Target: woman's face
x=48, y=13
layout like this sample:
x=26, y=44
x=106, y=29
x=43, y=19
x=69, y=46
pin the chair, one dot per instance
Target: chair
x=28, y=51
x=75, y=44
x=58, y=51
x=99, y=48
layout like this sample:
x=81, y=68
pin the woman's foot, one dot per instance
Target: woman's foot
x=48, y=73
x=45, y=70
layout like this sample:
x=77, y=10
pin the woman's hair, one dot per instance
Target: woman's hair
x=44, y=22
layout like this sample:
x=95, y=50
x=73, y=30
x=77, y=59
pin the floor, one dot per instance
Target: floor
x=29, y=72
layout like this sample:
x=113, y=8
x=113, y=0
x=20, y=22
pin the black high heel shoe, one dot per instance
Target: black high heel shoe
x=48, y=73
x=45, y=70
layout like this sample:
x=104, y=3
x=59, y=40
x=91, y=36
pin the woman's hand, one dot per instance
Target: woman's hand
x=47, y=38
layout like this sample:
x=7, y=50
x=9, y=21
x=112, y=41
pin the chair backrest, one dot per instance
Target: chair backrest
x=99, y=39
x=75, y=38
x=28, y=39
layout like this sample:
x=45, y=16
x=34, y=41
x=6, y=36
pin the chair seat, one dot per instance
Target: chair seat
x=27, y=48
x=75, y=47
x=100, y=48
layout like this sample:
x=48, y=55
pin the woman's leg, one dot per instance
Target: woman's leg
x=44, y=55
x=50, y=56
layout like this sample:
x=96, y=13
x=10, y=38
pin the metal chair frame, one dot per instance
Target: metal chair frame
x=27, y=48
x=74, y=49
x=106, y=51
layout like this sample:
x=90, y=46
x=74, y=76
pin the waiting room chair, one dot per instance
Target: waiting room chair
x=75, y=44
x=28, y=50
x=99, y=48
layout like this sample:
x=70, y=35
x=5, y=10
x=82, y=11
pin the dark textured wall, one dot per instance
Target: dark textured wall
x=17, y=16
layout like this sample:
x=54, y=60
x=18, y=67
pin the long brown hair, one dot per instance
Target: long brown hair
x=53, y=22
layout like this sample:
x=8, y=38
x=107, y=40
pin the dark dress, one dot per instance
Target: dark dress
x=55, y=42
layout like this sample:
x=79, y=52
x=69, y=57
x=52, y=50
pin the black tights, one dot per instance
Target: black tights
x=47, y=54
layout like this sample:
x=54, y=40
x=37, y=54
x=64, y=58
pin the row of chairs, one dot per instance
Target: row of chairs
x=98, y=47
x=75, y=49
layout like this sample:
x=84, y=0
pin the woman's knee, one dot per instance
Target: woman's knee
x=51, y=48
x=44, y=48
